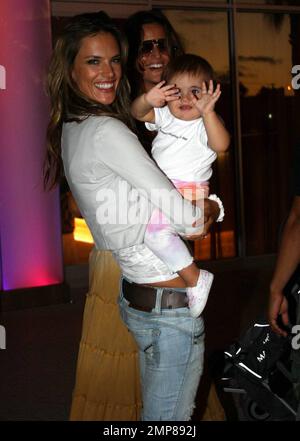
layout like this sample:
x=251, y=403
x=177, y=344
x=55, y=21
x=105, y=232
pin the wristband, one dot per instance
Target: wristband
x=214, y=197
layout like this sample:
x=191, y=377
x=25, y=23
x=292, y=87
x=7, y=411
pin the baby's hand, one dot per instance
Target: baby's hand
x=160, y=94
x=207, y=99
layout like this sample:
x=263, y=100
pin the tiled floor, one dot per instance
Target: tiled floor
x=37, y=367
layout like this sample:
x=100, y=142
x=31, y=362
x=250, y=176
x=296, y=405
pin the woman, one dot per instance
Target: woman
x=152, y=44
x=104, y=164
x=105, y=358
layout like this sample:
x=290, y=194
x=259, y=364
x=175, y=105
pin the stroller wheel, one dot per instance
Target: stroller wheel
x=251, y=411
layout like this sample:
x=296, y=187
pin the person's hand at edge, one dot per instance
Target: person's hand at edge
x=278, y=306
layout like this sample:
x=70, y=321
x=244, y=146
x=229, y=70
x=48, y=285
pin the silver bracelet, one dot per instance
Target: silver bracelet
x=214, y=197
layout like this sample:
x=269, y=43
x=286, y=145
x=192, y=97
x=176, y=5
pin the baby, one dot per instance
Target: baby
x=181, y=110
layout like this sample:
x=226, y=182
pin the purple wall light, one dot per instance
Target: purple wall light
x=30, y=232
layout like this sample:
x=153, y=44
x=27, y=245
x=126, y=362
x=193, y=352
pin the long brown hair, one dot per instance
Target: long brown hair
x=67, y=102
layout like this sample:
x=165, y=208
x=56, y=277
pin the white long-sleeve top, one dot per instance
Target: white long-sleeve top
x=104, y=165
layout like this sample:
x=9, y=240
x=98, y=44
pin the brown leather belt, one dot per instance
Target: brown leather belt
x=143, y=297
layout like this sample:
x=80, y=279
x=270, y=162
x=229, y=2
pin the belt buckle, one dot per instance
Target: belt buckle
x=176, y=302
x=166, y=294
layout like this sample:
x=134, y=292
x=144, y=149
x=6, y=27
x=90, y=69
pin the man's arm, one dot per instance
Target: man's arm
x=287, y=261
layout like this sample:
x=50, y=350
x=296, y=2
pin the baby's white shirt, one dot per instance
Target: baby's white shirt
x=180, y=147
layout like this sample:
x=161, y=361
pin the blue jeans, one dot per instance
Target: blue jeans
x=171, y=350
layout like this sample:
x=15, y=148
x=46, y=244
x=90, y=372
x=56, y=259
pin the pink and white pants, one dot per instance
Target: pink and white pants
x=160, y=235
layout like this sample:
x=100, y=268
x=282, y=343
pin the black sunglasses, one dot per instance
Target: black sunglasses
x=147, y=46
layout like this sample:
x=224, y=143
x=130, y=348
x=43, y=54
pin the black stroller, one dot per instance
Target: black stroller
x=258, y=370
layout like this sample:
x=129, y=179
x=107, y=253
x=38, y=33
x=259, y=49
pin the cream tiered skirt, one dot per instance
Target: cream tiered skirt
x=107, y=379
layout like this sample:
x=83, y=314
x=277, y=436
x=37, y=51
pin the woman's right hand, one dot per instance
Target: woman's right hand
x=211, y=214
